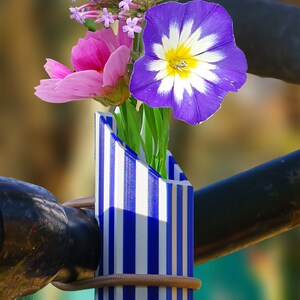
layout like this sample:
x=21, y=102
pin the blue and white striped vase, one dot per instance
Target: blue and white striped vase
x=147, y=222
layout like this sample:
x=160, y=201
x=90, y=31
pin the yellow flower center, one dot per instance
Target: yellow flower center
x=180, y=61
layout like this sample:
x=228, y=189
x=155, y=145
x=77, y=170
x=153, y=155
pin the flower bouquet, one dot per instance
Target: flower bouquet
x=163, y=56
x=146, y=60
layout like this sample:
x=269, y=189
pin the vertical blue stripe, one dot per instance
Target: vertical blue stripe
x=190, y=238
x=190, y=294
x=171, y=168
x=179, y=294
x=111, y=213
x=182, y=176
x=111, y=206
x=109, y=121
x=179, y=236
x=179, y=229
x=153, y=231
x=111, y=294
x=129, y=223
x=100, y=167
x=99, y=294
x=169, y=236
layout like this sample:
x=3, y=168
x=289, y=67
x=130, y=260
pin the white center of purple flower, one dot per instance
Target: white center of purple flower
x=181, y=63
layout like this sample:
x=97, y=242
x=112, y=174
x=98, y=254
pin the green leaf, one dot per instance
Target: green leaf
x=146, y=136
x=149, y=115
x=148, y=129
x=133, y=127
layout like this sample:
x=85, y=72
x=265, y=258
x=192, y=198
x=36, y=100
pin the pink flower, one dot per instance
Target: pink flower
x=106, y=18
x=132, y=27
x=125, y=4
x=100, y=63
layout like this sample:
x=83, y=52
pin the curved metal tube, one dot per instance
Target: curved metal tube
x=247, y=208
x=33, y=237
x=40, y=239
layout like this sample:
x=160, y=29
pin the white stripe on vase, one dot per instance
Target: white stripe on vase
x=141, y=226
x=162, y=211
x=174, y=237
x=119, y=212
x=106, y=198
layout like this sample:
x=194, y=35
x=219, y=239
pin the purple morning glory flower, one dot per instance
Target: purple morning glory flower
x=191, y=60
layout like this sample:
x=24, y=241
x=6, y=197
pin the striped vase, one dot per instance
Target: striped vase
x=146, y=221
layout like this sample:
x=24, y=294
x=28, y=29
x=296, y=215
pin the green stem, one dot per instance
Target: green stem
x=148, y=129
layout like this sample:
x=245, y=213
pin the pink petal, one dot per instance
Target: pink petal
x=113, y=42
x=116, y=66
x=55, y=69
x=90, y=54
x=123, y=36
x=75, y=86
x=106, y=35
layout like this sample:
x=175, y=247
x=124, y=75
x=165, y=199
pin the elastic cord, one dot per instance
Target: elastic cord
x=88, y=202
x=124, y=279
x=132, y=280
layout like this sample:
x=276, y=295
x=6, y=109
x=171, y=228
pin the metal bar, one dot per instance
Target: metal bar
x=82, y=256
x=269, y=34
x=247, y=208
x=34, y=227
x=40, y=239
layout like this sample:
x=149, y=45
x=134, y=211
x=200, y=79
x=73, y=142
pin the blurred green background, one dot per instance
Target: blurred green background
x=52, y=146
